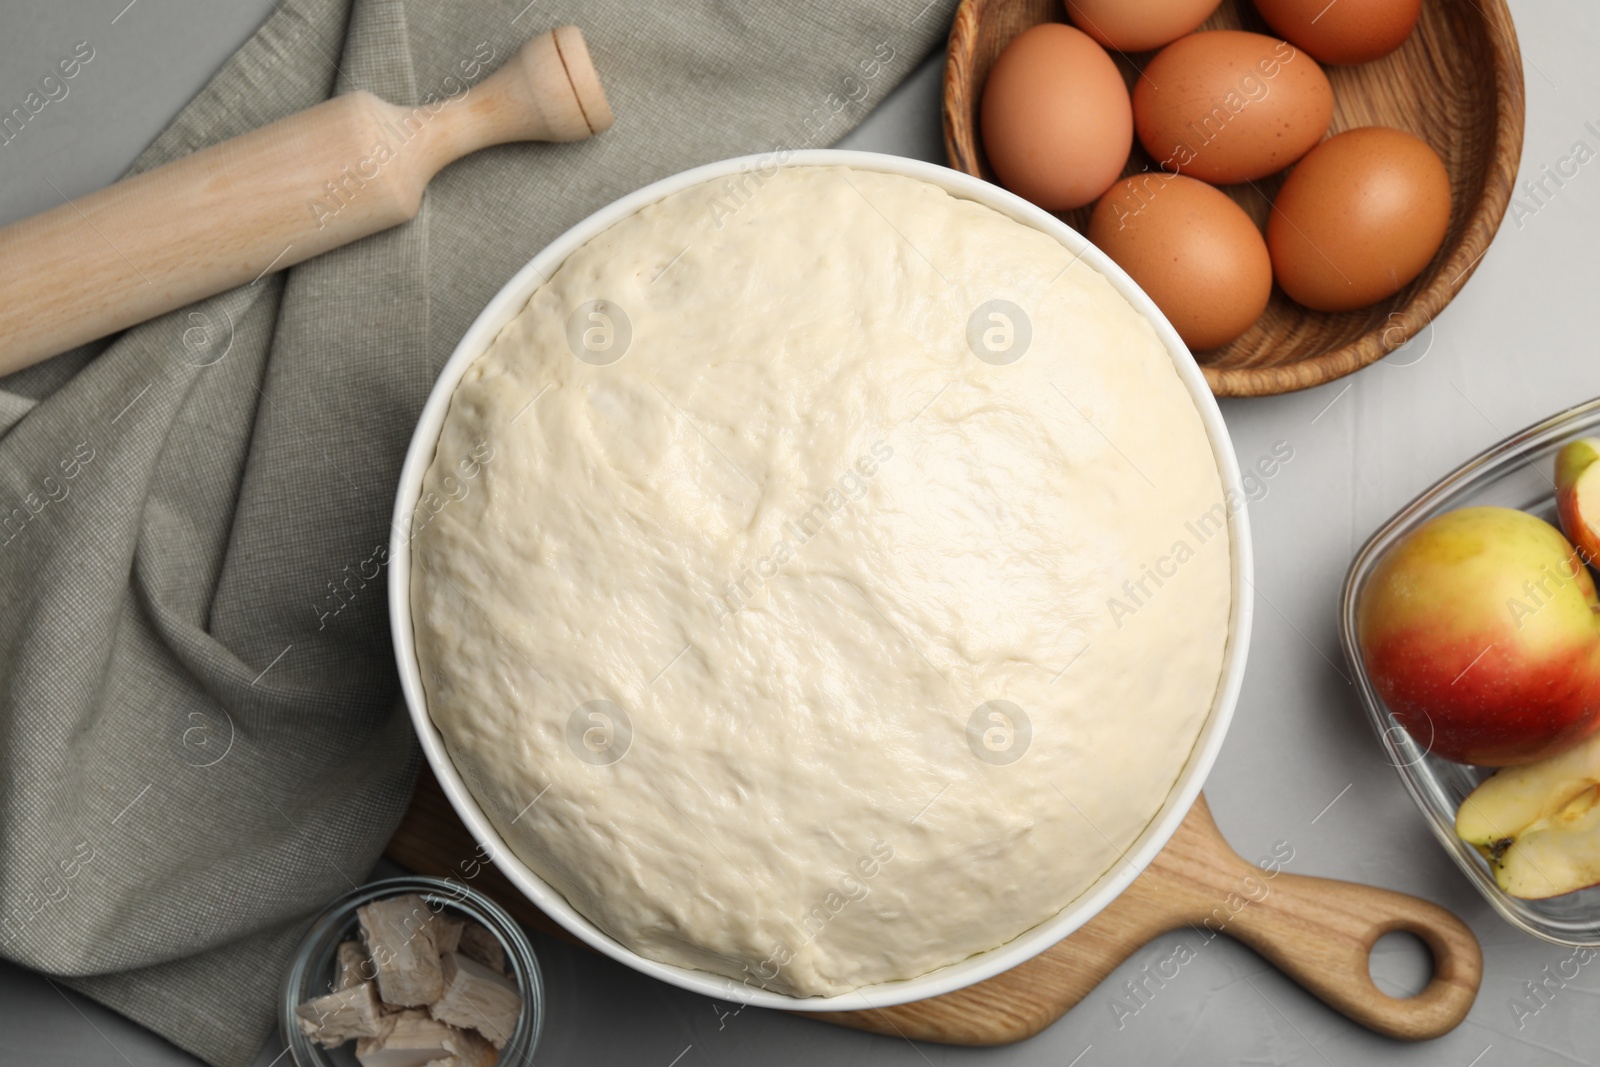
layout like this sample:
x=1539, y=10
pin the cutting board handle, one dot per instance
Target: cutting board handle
x=1318, y=931
x=235, y=211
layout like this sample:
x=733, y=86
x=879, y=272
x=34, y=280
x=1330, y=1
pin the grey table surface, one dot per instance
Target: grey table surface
x=1300, y=765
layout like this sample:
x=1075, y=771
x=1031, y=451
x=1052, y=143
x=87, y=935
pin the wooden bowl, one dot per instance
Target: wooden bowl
x=1456, y=83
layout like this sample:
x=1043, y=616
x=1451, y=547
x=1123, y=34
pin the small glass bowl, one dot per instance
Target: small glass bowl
x=311, y=972
x=1516, y=473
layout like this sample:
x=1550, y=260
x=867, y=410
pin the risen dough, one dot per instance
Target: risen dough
x=714, y=630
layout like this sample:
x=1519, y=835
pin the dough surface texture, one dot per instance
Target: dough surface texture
x=839, y=597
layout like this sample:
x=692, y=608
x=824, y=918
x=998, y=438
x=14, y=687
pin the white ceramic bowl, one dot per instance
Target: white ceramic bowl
x=510, y=301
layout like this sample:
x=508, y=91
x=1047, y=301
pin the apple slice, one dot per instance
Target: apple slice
x=1578, y=495
x=1538, y=825
x=1561, y=856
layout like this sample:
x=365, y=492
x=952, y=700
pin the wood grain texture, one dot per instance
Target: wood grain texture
x=1317, y=931
x=1456, y=83
x=232, y=212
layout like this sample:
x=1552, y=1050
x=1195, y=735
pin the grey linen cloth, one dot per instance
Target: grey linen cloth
x=201, y=738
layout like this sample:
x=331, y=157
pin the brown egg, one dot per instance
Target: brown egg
x=1138, y=26
x=1191, y=249
x=1056, y=122
x=1228, y=106
x=1358, y=218
x=1347, y=31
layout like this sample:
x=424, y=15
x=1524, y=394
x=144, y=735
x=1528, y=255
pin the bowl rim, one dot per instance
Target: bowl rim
x=510, y=301
x=1461, y=259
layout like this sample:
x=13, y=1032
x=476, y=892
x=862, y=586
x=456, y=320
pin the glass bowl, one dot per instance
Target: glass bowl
x=1516, y=473
x=311, y=972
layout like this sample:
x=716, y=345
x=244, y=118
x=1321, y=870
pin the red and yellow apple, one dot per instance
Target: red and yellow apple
x=1578, y=495
x=1539, y=825
x=1481, y=631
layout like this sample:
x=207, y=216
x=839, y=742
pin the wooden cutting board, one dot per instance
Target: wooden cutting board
x=1318, y=931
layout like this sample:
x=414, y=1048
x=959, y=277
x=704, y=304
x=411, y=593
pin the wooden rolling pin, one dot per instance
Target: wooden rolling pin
x=231, y=213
